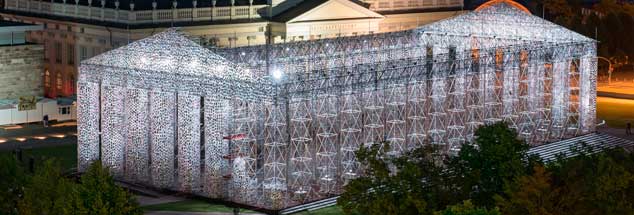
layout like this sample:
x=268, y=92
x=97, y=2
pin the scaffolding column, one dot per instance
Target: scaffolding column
x=301, y=150
x=275, y=152
x=395, y=118
x=216, y=115
x=475, y=95
x=188, y=157
x=527, y=97
x=560, y=94
x=544, y=90
x=572, y=120
x=113, y=126
x=87, y=124
x=243, y=152
x=162, y=131
x=437, y=98
x=510, y=84
x=456, y=101
x=137, y=145
x=327, y=142
x=588, y=86
x=416, y=114
x=351, y=124
x=493, y=88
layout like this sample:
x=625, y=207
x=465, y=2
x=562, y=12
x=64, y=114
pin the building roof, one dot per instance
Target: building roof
x=170, y=52
x=161, y=4
x=171, y=62
x=356, y=10
x=503, y=20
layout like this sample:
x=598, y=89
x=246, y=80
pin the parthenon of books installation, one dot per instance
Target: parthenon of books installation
x=276, y=126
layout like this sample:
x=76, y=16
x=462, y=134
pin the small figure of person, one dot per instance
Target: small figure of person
x=628, y=128
x=45, y=120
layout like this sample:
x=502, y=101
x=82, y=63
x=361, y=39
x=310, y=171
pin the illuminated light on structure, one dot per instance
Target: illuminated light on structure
x=39, y=137
x=277, y=126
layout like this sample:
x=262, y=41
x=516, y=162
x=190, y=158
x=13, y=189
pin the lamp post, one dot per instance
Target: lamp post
x=610, y=68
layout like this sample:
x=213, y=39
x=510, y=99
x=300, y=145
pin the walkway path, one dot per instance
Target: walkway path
x=192, y=213
x=35, y=135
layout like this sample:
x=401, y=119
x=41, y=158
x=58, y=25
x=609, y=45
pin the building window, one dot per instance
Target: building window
x=46, y=45
x=47, y=79
x=64, y=110
x=70, y=48
x=58, y=82
x=58, y=52
x=83, y=53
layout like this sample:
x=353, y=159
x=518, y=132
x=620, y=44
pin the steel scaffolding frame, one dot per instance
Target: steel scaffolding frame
x=278, y=125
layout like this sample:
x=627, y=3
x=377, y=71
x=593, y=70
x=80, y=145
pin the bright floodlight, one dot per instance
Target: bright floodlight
x=277, y=74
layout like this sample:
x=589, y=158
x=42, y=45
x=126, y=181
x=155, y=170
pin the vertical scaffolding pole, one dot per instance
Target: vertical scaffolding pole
x=163, y=120
x=301, y=150
x=395, y=118
x=113, y=126
x=545, y=79
x=560, y=94
x=456, y=101
x=216, y=115
x=588, y=95
x=87, y=124
x=137, y=145
x=243, y=149
x=351, y=124
x=188, y=157
x=527, y=97
x=416, y=114
x=492, y=88
x=510, y=72
x=327, y=141
x=572, y=120
x=475, y=95
x=275, y=154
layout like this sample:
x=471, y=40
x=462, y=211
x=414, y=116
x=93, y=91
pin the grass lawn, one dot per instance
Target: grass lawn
x=332, y=210
x=65, y=154
x=193, y=206
x=615, y=112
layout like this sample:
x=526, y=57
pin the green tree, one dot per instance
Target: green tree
x=100, y=195
x=601, y=183
x=532, y=195
x=13, y=179
x=496, y=157
x=467, y=208
x=48, y=192
x=409, y=184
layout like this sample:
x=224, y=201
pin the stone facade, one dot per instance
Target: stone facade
x=21, y=67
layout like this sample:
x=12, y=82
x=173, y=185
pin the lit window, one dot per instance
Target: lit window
x=47, y=79
x=83, y=53
x=64, y=110
x=59, y=80
x=71, y=54
x=58, y=52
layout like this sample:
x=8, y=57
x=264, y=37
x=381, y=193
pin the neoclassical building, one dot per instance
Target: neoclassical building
x=75, y=30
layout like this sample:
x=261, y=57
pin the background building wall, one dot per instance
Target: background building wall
x=21, y=67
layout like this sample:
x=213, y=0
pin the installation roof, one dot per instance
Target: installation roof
x=170, y=52
x=506, y=21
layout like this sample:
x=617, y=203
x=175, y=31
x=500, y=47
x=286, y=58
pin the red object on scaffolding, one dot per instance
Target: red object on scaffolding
x=235, y=137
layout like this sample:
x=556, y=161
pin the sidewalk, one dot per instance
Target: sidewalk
x=35, y=135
